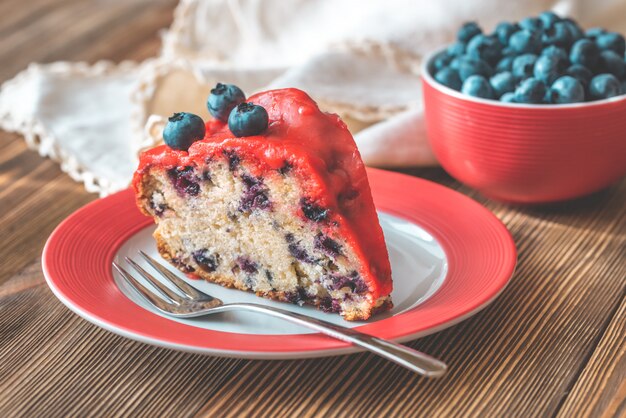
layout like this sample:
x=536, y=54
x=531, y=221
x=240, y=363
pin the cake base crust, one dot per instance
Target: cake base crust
x=382, y=304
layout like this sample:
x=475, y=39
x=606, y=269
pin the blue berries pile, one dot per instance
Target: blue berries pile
x=226, y=103
x=541, y=60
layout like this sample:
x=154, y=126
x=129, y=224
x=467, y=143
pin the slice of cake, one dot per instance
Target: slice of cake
x=271, y=197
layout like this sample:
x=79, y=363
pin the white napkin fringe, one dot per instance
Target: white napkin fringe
x=36, y=135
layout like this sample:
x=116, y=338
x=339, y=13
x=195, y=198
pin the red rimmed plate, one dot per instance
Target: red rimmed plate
x=450, y=258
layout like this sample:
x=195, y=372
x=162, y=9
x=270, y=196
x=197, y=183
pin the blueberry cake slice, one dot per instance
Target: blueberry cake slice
x=271, y=196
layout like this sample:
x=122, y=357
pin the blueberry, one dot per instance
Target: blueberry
x=604, y=86
x=548, y=69
x=486, y=48
x=455, y=64
x=313, y=211
x=612, y=63
x=469, y=66
x=507, y=51
x=205, y=259
x=503, y=83
x=566, y=90
x=584, y=52
x=300, y=296
x=523, y=66
x=477, y=86
x=222, y=100
x=353, y=281
x=505, y=64
x=530, y=90
x=247, y=119
x=575, y=32
x=327, y=245
x=548, y=19
x=613, y=41
x=508, y=97
x=182, y=130
x=525, y=41
x=181, y=265
x=297, y=251
x=555, y=51
x=593, y=33
x=580, y=73
x=347, y=195
x=254, y=195
x=468, y=31
x=247, y=265
x=328, y=305
x=558, y=35
x=233, y=159
x=449, y=78
x=206, y=176
x=531, y=23
x=286, y=168
x=184, y=180
x=456, y=49
x=441, y=61
x=504, y=30
x=158, y=208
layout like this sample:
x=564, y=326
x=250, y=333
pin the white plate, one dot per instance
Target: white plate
x=450, y=258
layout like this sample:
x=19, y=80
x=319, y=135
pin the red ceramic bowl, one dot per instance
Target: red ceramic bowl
x=525, y=153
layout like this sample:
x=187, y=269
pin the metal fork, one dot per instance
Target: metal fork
x=190, y=302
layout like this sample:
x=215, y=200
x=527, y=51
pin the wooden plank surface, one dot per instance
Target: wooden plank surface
x=601, y=388
x=551, y=344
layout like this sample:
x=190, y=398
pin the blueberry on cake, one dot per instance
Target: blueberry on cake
x=270, y=196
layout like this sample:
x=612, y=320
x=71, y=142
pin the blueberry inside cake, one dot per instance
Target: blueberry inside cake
x=270, y=196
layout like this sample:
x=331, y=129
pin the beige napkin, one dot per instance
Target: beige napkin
x=359, y=59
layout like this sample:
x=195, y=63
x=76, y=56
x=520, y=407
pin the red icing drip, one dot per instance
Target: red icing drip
x=193, y=276
x=320, y=148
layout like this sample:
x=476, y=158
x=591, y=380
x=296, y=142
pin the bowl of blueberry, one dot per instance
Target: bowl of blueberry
x=533, y=112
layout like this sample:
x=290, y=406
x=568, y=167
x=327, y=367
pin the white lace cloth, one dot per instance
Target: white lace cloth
x=359, y=59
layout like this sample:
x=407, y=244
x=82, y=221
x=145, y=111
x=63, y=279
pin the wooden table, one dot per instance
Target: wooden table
x=553, y=344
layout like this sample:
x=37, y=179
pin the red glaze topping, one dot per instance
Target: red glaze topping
x=318, y=147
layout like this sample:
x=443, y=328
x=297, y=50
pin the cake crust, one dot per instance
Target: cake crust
x=382, y=304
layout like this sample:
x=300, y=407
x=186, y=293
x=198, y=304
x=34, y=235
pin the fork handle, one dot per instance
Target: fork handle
x=404, y=356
